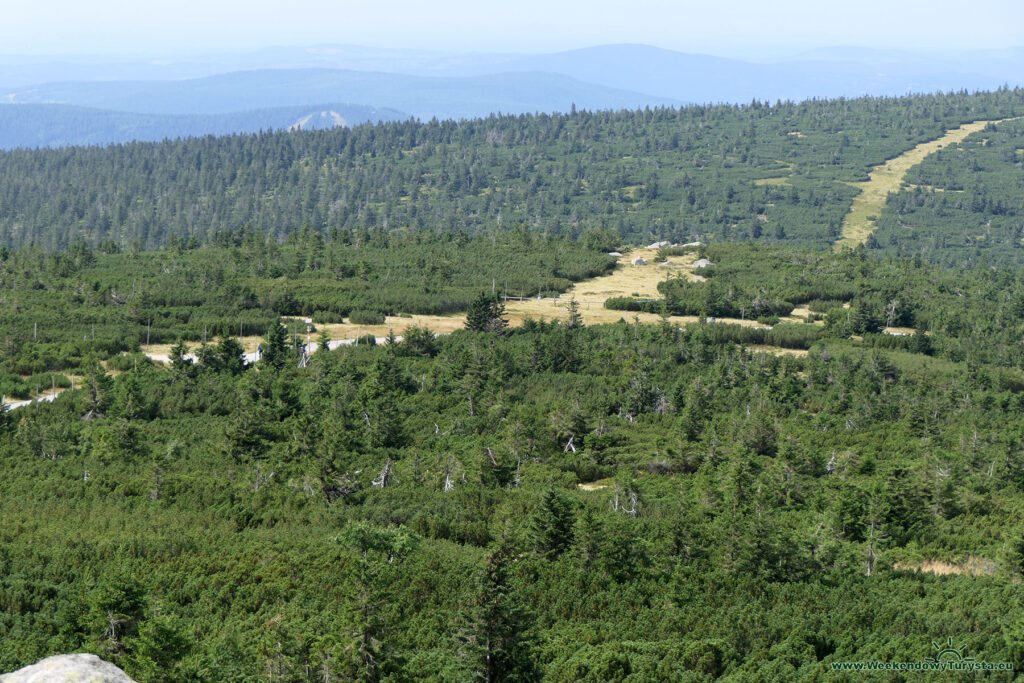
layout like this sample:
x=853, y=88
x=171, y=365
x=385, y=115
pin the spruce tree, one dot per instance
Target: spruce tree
x=498, y=640
x=575, y=318
x=275, y=346
x=229, y=353
x=180, y=362
x=479, y=313
x=486, y=314
x=552, y=525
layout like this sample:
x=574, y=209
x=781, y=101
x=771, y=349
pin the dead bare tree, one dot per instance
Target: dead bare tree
x=261, y=480
x=386, y=476
x=115, y=622
x=340, y=487
x=631, y=504
x=450, y=469
x=890, y=312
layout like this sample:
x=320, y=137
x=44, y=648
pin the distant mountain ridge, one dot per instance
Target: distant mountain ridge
x=826, y=73
x=689, y=77
x=56, y=125
x=422, y=96
x=429, y=84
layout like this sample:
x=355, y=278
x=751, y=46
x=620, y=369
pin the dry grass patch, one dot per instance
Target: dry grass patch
x=441, y=324
x=777, y=350
x=626, y=280
x=161, y=352
x=800, y=312
x=799, y=315
x=972, y=566
x=781, y=180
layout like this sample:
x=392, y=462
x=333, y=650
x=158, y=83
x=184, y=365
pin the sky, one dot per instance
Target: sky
x=743, y=28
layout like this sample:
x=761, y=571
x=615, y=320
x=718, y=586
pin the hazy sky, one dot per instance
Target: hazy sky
x=742, y=27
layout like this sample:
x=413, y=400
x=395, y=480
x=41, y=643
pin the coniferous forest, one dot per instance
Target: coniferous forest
x=543, y=501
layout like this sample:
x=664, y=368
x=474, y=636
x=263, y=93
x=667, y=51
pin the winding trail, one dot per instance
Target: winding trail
x=888, y=177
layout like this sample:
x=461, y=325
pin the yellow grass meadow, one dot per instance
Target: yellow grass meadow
x=625, y=280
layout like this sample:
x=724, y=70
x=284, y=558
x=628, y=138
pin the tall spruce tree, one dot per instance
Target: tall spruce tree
x=498, y=639
x=275, y=345
x=552, y=525
x=486, y=314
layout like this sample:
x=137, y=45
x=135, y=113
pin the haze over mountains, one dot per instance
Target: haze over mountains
x=146, y=99
x=421, y=96
x=54, y=125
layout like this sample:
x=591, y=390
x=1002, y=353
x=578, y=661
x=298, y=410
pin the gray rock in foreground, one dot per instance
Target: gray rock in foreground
x=78, y=668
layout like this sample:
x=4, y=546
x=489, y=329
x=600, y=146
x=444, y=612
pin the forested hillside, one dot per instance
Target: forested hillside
x=774, y=173
x=60, y=307
x=415, y=510
x=834, y=474
x=964, y=204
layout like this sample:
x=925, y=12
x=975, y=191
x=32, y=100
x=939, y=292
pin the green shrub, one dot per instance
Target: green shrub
x=361, y=317
x=665, y=252
x=327, y=317
x=625, y=303
x=823, y=305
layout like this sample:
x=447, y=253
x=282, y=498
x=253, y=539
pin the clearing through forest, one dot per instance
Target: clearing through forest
x=887, y=177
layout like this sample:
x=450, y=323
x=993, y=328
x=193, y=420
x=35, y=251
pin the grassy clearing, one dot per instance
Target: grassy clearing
x=781, y=180
x=160, y=352
x=626, y=280
x=440, y=324
x=777, y=350
x=800, y=314
x=888, y=177
x=596, y=485
x=972, y=566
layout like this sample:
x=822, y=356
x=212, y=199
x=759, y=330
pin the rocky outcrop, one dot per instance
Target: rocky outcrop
x=78, y=668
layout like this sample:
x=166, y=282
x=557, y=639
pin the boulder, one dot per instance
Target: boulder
x=80, y=668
